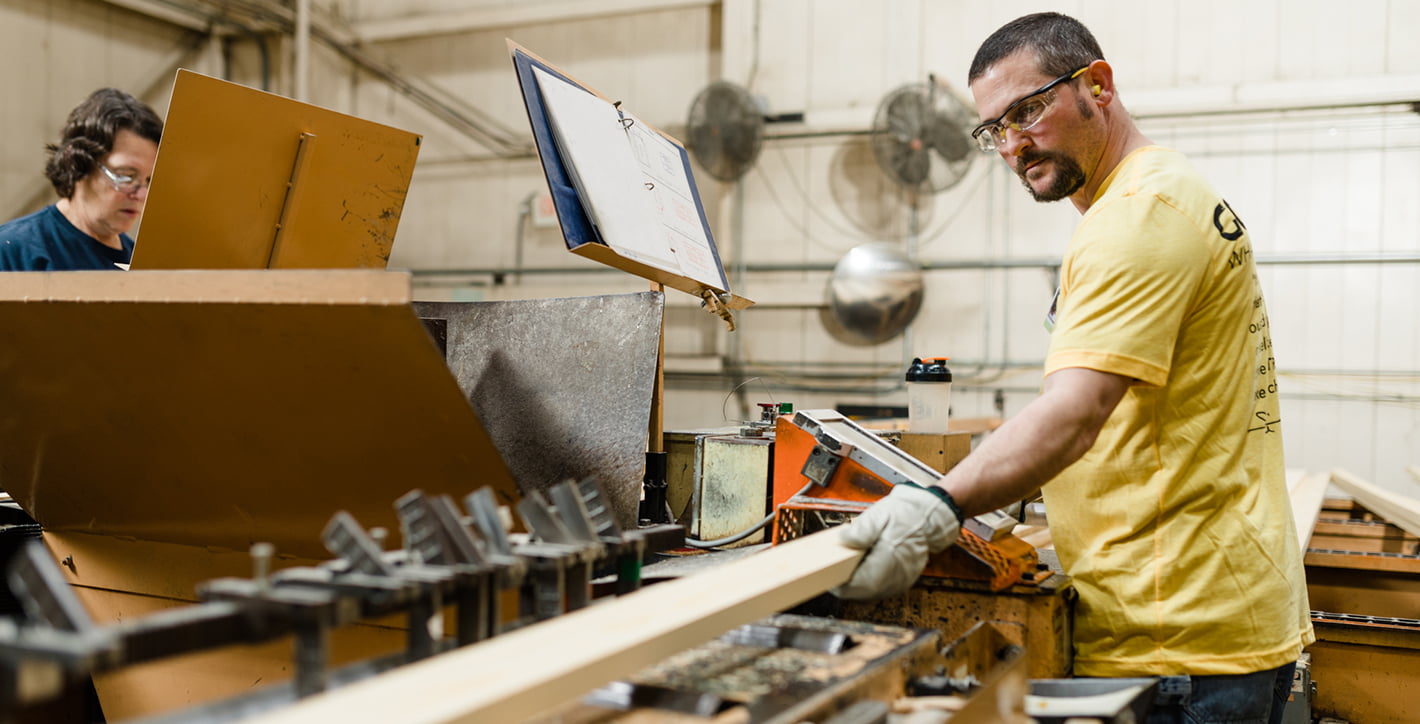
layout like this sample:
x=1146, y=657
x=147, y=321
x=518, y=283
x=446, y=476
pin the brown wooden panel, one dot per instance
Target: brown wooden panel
x=941, y=452
x=121, y=580
x=1362, y=535
x=166, y=685
x=220, y=183
x=232, y=415
x=1387, y=593
x=1038, y=619
x=1363, y=561
x=1366, y=675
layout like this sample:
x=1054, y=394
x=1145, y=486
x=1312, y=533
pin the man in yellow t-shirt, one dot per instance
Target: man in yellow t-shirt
x=1157, y=428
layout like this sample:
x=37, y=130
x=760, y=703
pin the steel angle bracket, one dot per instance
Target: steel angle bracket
x=571, y=509
x=422, y=535
x=789, y=637
x=467, y=549
x=483, y=507
x=599, y=508
x=43, y=592
x=344, y=537
x=434, y=532
x=60, y=628
x=561, y=555
x=483, y=510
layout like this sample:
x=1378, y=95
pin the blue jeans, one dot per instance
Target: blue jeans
x=1258, y=698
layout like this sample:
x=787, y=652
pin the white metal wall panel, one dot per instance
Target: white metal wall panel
x=1313, y=183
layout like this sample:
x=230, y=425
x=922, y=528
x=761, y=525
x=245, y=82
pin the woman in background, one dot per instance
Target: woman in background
x=101, y=168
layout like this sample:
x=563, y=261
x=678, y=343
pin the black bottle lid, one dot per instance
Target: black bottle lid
x=931, y=369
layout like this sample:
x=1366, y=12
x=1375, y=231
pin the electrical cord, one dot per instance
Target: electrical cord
x=737, y=537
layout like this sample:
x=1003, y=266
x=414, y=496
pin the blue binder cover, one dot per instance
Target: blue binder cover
x=580, y=233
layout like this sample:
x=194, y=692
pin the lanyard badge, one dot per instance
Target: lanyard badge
x=1050, y=315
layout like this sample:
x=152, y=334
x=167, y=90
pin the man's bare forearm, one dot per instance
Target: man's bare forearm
x=1052, y=432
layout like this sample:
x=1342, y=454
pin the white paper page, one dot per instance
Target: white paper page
x=661, y=161
x=593, y=143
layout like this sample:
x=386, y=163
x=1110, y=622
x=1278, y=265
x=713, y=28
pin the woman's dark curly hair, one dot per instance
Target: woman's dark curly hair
x=88, y=135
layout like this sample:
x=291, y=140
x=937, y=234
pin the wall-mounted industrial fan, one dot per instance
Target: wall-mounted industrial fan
x=922, y=137
x=725, y=129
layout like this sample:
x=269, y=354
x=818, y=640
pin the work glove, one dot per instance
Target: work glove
x=898, y=532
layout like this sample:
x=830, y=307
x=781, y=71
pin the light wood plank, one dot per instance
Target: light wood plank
x=517, y=675
x=1307, y=494
x=1038, y=536
x=1399, y=510
x=202, y=286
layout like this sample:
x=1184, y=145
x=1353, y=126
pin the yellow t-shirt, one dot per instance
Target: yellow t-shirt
x=1176, y=526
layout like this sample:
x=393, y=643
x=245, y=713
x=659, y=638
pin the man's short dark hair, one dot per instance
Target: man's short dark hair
x=1061, y=44
x=88, y=135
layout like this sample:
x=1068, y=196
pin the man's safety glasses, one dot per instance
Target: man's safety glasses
x=1021, y=115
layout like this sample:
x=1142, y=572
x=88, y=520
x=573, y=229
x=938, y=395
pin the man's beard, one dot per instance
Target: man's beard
x=1069, y=177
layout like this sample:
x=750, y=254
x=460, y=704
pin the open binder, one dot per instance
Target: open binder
x=624, y=192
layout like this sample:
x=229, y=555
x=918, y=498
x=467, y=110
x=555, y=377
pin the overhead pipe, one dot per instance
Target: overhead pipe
x=466, y=119
x=960, y=265
x=302, y=81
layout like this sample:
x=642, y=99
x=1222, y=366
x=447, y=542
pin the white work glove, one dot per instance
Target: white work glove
x=898, y=532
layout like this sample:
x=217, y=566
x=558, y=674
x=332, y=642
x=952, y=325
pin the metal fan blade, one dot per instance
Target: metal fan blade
x=905, y=115
x=912, y=166
x=954, y=144
x=917, y=139
x=709, y=152
x=725, y=130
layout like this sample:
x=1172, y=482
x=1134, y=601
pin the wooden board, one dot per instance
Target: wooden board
x=220, y=195
x=1397, y=509
x=1307, y=492
x=220, y=408
x=1361, y=536
x=940, y=451
x=534, y=669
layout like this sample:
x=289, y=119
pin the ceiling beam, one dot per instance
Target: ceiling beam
x=1274, y=96
x=184, y=16
x=508, y=15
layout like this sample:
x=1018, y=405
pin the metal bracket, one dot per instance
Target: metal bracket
x=43, y=592
x=788, y=637
x=434, y=533
x=344, y=537
x=821, y=464
x=572, y=511
x=599, y=508
x=484, y=509
x=541, y=521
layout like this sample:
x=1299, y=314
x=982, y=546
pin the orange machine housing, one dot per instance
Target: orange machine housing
x=804, y=505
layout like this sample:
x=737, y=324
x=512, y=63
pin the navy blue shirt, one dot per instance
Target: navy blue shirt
x=46, y=241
